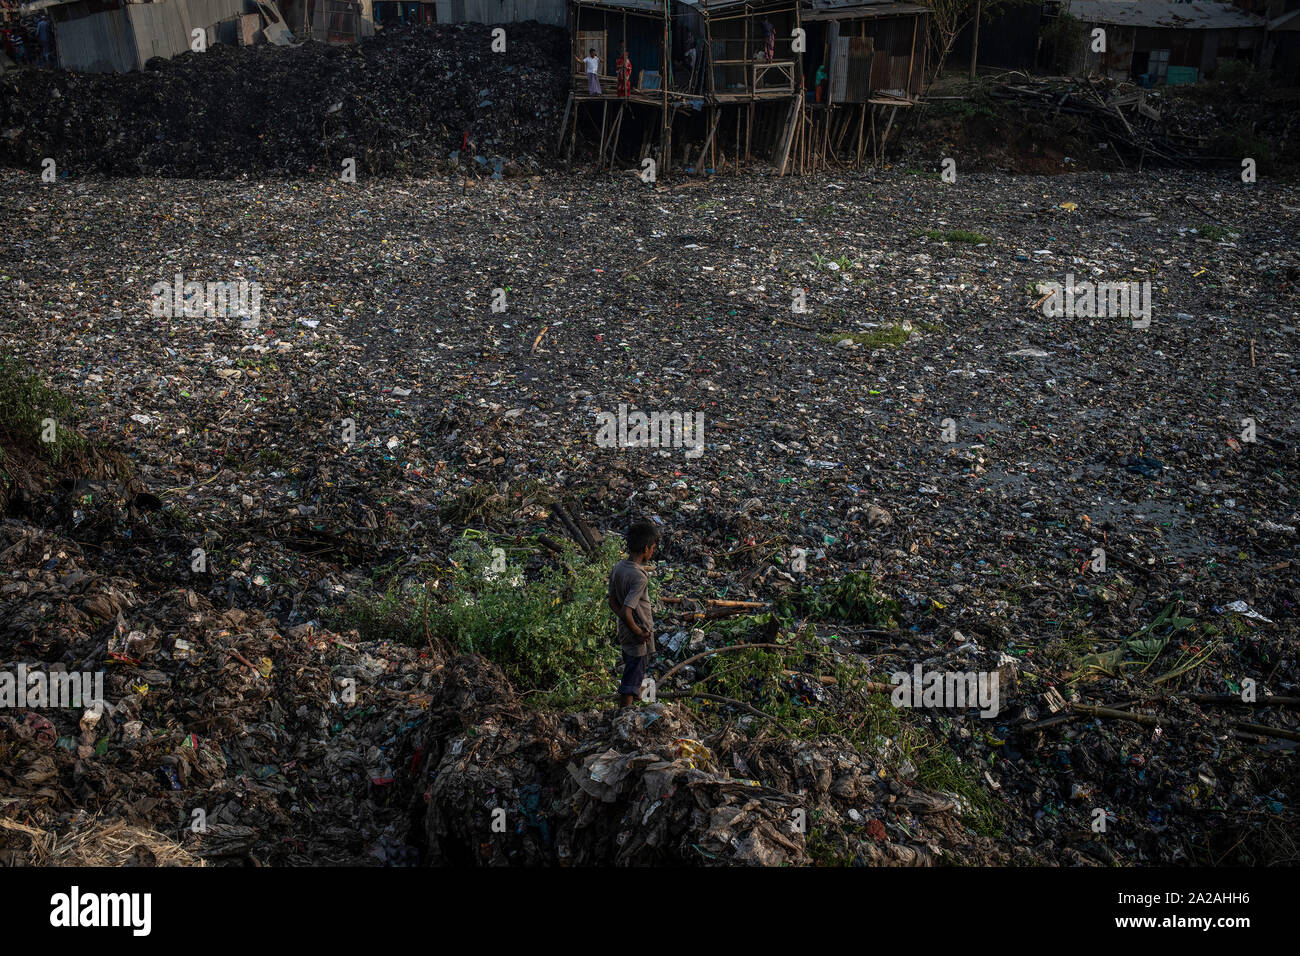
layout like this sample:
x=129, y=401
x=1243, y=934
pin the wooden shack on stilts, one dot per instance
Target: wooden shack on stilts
x=866, y=61
x=610, y=27
x=801, y=85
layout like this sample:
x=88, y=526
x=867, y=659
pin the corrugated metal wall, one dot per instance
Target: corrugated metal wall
x=125, y=39
x=896, y=42
x=898, y=59
x=502, y=11
x=100, y=43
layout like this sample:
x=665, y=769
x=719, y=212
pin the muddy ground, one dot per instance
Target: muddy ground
x=825, y=429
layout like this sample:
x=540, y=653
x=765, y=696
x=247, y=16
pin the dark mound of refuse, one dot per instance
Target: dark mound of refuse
x=406, y=102
x=646, y=785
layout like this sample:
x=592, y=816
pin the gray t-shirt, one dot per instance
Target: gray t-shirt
x=628, y=586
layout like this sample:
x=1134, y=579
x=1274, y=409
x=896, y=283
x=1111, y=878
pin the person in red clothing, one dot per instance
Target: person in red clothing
x=623, y=67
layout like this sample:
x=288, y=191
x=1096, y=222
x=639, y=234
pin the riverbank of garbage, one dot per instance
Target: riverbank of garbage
x=918, y=468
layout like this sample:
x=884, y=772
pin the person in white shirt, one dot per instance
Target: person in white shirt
x=592, y=63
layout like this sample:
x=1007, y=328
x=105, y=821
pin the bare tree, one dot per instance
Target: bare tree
x=949, y=17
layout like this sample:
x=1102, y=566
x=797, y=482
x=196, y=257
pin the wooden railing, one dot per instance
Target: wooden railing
x=784, y=70
x=759, y=70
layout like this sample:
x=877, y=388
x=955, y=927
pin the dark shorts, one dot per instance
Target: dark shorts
x=633, y=673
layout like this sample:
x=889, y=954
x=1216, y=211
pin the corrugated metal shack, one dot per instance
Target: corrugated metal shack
x=501, y=11
x=388, y=12
x=1282, y=49
x=116, y=36
x=1008, y=39
x=329, y=21
x=1155, y=41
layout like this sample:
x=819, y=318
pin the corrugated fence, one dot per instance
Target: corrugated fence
x=125, y=39
x=501, y=11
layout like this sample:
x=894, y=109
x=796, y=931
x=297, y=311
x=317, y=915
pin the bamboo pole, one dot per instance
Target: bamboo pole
x=719, y=602
x=564, y=124
x=615, y=134
x=911, y=57
x=1150, y=720
x=805, y=124
x=826, y=135
x=875, y=137
x=749, y=131
x=796, y=165
x=604, y=118
x=714, y=117
x=664, y=54
x=862, y=125
x=807, y=141
x=573, y=137
x=747, y=53
x=845, y=126
x=884, y=138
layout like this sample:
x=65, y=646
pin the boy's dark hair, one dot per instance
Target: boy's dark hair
x=640, y=536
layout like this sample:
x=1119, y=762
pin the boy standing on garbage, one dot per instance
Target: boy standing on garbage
x=629, y=599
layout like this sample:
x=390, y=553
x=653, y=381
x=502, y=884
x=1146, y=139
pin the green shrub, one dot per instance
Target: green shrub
x=25, y=403
x=954, y=235
x=854, y=599
x=551, y=633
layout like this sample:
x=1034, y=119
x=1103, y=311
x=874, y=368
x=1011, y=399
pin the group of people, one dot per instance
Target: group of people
x=622, y=70
x=22, y=47
x=623, y=65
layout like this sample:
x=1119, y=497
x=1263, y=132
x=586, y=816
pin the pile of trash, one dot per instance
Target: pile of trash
x=411, y=100
x=650, y=786
x=1061, y=124
x=232, y=737
x=226, y=739
x=1249, y=116
x=1050, y=496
